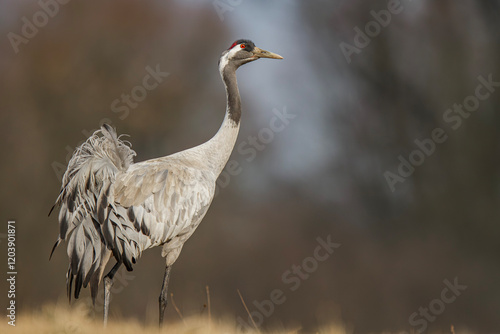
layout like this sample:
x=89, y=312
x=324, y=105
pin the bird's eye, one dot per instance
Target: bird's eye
x=243, y=46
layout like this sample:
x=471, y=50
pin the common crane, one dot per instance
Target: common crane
x=113, y=207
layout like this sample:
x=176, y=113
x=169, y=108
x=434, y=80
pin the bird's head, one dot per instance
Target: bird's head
x=243, y=51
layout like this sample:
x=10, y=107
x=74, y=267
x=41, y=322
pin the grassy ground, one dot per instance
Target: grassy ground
x=52, y=319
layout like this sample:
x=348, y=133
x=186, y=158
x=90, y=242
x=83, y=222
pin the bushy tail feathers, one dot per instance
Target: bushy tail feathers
x=87, y=255
x=85, y=183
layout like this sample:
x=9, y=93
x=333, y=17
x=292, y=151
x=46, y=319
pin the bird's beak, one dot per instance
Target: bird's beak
x=259, y=53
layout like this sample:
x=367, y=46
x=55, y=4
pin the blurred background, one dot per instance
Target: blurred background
x=358, y=101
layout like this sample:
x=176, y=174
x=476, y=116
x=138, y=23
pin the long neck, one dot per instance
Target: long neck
x=217, y=150
x=233, y=107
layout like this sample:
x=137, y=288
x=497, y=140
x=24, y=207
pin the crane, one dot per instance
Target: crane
x=113, y=207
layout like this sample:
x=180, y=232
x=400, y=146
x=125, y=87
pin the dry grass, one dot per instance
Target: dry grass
x=54, y=319
x=61, y=319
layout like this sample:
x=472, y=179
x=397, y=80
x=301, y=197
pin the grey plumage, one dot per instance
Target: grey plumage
x=113, y=207
x=109, y=203
x=86, y=213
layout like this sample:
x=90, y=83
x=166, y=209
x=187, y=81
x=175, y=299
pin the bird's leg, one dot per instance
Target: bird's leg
x=108, y=283
x=163, y=294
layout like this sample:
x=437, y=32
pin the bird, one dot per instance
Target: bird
x=111, y=207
